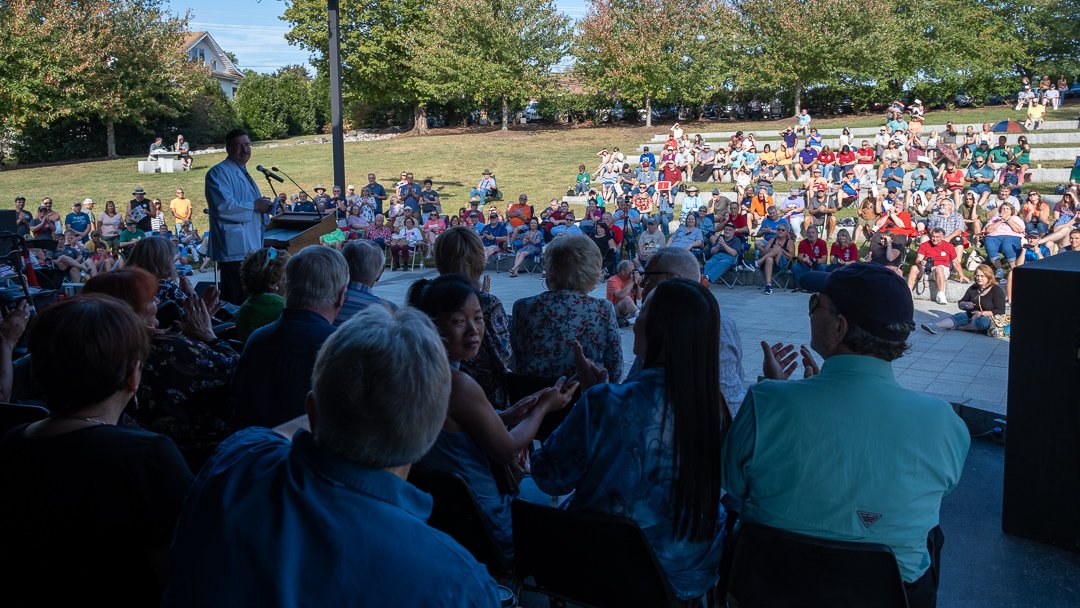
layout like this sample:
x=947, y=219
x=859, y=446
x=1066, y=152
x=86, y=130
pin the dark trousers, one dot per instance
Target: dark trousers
x=923, y=592
x=231, y=289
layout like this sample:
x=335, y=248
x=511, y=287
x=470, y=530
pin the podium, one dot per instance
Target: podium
x=294, y=230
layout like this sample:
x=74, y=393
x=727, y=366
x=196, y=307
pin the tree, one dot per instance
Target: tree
x=377, y=53
x=1044, y=32
x=273, y=106
x=490, y=49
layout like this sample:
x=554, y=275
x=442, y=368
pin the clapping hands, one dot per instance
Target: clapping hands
x=782, y=359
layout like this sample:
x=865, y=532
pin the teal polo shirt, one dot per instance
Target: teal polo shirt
x=849, y=454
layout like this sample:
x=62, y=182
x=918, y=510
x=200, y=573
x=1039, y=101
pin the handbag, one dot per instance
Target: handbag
x=1000, y=326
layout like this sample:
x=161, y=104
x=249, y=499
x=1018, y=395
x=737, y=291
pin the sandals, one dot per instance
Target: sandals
x=513, y=273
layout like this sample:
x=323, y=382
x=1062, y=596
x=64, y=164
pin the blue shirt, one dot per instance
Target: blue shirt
x=491, y=231
x=774, y=224
x=410, y=196
x=269, y=522
x=235, y=228
x=379, y=192
x=986, y=172
x=648, y=156
x=807, y=156
x=893, y=178
x=273, y=376
x=849, y=454
x=611, y=451
x=358, y=296
x=77, y=221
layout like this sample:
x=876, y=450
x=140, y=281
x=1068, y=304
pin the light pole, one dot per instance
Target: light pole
x=337, y=135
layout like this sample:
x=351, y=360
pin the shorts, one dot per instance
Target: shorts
x=980, y=188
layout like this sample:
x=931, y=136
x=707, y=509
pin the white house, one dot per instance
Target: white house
x=201, y=46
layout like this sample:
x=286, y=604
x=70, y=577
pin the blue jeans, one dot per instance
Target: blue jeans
x=483, y=194
x=581, y=187
x=718, y=264
x=961, y=319
x=1008, y=246
x=799, y=269
x=1039, y=228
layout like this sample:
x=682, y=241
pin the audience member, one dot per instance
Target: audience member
x=982, y=302
x=938, y=258
x=775, y=253
x=474, y=437
x=274, y=374
x=336, y=496
x=725, y=252
x=86, y=496
x=811, y=253
x=843, y=252
x=183, y=389
x=262, y=274
x=623, y=291
x=157, y=256
x=893, y=452
x=647, y=449
x=366, y=264
x=460, y=250
x=545, y=327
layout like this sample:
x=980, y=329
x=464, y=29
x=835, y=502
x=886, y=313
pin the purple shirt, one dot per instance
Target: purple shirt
x=807, y=156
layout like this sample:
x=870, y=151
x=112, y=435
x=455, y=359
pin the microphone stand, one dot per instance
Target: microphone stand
x=276, y=170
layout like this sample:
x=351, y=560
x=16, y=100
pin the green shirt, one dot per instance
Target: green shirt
x=1074, y=175
x=1020, y=156
x=257, y=311
x=849, y=454
x=584, y=178
x=126, y=236
x=999, y=154
x=980, y=152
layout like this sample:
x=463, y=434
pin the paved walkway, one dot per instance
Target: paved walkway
x=961, y=367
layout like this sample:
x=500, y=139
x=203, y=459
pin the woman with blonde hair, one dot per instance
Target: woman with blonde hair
x=984, y=300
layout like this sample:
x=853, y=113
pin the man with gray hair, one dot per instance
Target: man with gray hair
x=328, y=518
x=671, y=263
x=273, y=376
x=366, y=264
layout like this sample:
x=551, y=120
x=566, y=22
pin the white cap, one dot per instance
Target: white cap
x=88, y=201
x=924, y=159
x=918, y=101
x=351, y=187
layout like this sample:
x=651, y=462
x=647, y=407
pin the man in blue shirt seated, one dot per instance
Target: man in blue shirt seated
x=848, y=453
x=647, y=156
x=893, y=176
x=494, y=235
x=274, y=374
x=366, y=263
x=328, y=518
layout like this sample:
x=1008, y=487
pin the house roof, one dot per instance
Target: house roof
x=230, y=71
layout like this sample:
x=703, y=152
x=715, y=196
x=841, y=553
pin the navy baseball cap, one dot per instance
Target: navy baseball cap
x=869, y=295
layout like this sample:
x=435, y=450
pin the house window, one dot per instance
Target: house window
x=213, y=64
x=199, y=54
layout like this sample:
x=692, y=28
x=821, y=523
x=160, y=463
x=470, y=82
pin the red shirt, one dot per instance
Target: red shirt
x=892, y=228
x=616, y=234
x=847, y=158
x=614, y=285
x=827, y=158
x=739, y=221
x=943, y=254
x=865, y=156
x=845, y=254
x=814, y=249
x=670, y=174
x=955, y=179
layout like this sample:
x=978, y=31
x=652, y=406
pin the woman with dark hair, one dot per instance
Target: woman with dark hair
x=184, y=390
x=603, y=240
x=474, y=437
x=263, y=274
x=88, y=497
x=157, y=255
x=649, y=448
x=532, y=243
x=982, y=302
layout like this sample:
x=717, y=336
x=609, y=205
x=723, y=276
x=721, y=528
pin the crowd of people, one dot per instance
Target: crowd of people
x=326, y=394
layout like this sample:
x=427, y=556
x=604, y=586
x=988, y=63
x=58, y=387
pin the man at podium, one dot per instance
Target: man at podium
x=236, y=207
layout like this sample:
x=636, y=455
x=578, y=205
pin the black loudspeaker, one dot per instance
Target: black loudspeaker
x=1042, y=451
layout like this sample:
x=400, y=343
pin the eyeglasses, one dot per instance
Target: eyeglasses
x=815, y=303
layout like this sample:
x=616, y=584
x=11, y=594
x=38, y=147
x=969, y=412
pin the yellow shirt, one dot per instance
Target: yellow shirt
x=1036, y=112
x=181, y=208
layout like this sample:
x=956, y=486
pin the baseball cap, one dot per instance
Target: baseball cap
x=20, y=198
x=869, y=295
x=716, y=191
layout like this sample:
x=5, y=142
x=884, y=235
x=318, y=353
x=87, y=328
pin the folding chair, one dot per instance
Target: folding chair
x=780, y=569
x=591, y=559
x=456, y=512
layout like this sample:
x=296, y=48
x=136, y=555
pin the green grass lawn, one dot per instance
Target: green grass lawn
x=540, y=161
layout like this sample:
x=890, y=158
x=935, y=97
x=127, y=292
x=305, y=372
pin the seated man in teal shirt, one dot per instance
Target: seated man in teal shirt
x=848, y=453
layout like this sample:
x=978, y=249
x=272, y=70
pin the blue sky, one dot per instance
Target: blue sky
x=254, y=31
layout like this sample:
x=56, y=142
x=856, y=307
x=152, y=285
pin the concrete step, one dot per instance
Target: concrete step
x=781, y=190
x=1034, y=139
x=863, y=131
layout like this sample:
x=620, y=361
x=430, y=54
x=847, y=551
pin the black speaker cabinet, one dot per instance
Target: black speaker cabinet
x=1042, y=451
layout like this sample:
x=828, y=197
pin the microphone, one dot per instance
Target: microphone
x=268, y=173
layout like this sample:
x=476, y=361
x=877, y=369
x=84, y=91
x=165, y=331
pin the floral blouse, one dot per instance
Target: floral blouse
x=544, y=327
x=184, y=392
x=379, y=232
x=491, y=364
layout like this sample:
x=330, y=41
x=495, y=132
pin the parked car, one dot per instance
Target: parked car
x=732, y=111
x=845, y=106
x=1073, y=90
x=531, y=113
x=963, y=100
x=1001, y=100
x=773, y=110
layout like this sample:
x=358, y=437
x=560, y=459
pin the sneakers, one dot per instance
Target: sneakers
x=930, y=328
x=748, y=267
x=768, y=290
x=940, y=299
x=999, y=274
